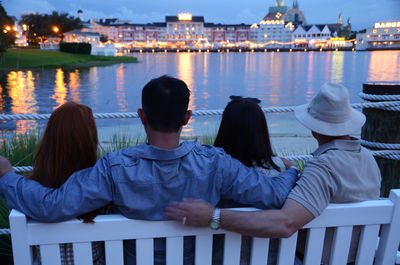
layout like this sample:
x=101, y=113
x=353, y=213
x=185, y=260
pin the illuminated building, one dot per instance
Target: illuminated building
x=80, y=36
x=310, y=36
x=384, y=35
x=184, y=27
x=228, y=33
x=275, y=30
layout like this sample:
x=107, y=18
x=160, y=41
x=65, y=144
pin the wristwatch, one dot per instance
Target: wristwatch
x=215, y=220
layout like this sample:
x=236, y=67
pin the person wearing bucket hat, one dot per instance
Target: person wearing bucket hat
x=340, y=171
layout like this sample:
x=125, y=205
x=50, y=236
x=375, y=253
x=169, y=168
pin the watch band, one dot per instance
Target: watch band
x=216, y=215
x=215, y=220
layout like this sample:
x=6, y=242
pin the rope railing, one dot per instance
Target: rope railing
x=5, y=231
x=389, y=154
x=387, y=105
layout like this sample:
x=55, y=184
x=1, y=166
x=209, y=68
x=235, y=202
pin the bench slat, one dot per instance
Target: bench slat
x=114, y=252
x=259, y=251
x=19, y=238
x=145, y=251
x=341, y=245
x=83, y=253
x=203, y=254
x=233, y=242
x=50, y=254
x=175, y=251
x=367, y=244
x=314, y=246
x=287, y=250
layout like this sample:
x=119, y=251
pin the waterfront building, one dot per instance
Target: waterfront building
x=184, y=28
x=384, y=35
x=275, y=30
x=81, y=36
x=313, y=36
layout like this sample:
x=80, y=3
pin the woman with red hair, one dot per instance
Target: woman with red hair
x=69, y=144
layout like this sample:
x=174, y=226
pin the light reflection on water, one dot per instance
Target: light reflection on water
x=21, y=90
x=275, y=78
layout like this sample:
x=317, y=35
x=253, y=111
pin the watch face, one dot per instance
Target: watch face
x=214, y=225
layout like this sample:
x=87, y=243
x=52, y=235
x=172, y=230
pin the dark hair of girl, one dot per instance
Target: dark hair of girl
x=243, y=133
x=69, y=144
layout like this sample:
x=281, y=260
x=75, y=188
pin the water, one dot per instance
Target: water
x=278, y=79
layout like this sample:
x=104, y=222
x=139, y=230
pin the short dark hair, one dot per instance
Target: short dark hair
x=165, y=102
x=243, y=133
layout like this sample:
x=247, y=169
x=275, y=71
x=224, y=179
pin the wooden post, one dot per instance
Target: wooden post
x=383, y=126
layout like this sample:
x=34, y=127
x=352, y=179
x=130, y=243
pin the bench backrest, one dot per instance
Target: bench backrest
x=381, y=217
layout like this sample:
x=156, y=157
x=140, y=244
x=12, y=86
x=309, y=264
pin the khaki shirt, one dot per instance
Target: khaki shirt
x=341, y=171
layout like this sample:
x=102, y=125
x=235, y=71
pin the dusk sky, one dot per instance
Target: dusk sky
x=363, y=13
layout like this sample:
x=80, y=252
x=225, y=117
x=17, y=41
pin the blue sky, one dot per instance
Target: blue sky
x=363, y=13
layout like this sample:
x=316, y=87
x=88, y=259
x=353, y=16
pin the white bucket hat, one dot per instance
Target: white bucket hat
x=330, y=112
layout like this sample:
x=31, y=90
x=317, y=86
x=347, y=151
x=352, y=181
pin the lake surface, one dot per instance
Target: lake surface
x=278, y=79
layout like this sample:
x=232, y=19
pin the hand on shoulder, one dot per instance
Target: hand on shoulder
x=5, y=166
x=287, y=163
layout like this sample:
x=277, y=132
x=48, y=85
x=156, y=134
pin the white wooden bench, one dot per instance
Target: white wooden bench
x=374, y=216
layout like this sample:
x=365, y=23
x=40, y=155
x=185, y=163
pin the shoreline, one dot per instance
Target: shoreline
x=26, y=59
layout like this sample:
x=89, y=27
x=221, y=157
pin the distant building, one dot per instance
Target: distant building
x=80, y=36
x=384, y=35
x=275, y=30
x=313, y=36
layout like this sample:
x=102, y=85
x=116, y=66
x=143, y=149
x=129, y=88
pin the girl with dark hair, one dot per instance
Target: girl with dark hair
x=69, y=144
x=243, y=134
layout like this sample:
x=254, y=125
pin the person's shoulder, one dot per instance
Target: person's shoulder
x=124, y=155
x=208, y=150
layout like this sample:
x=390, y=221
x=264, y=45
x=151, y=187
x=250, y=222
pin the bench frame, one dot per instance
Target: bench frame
x=374, y=216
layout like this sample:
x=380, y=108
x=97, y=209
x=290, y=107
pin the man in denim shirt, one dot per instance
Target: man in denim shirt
x=141, y=181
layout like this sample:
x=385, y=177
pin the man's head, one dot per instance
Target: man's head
x=330, y=112
x=165, y=103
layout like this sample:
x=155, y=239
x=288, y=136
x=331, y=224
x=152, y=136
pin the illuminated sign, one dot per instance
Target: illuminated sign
x=337, y=39
x=185, y=16
x=387, y=25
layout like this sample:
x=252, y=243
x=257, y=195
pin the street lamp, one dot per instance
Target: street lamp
x=56, y=29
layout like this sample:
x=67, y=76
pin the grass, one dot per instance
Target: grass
x=15, y=59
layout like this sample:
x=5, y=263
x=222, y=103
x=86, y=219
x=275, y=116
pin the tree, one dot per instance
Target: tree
x=42, y=26
x=7, y=32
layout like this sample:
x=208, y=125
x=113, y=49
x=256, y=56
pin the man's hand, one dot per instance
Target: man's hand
x=5, y=166
x=287, y=163
x=191, y=212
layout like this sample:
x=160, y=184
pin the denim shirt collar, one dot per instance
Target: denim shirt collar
x=147, y=151
x=352, y=145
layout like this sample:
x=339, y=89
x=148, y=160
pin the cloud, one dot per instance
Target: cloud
x=123, y=13
x=16, y=8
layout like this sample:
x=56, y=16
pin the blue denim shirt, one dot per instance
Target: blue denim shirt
x=141, y=181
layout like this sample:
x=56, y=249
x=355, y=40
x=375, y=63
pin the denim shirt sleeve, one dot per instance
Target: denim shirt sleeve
x=84, y=191
x=248, y=186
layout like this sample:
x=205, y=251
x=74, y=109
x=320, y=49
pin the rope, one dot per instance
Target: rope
x=388, y=105
x=5, y=231
x=379, y=97
x=377, y=145
x=366, y=98
x=389, y=154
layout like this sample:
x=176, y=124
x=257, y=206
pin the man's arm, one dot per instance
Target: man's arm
x=248, y=186
x=84, y=191
x=267, y=223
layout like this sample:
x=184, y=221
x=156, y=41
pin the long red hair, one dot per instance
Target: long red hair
x=69, y=144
